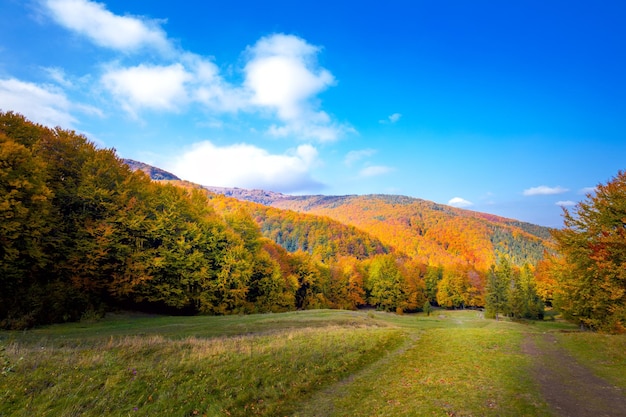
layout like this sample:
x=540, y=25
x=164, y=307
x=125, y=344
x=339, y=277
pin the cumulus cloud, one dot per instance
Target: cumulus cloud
x=355, y=156
x=44, y=104
x=391, y=119
x=144, y=86
x=210, y=89
x=459, y=202
x=93, y=20
x=247, y=166
x=566, y=203
x=374, y=170
x=282, y=74
x=170, y=87
x=544, y=190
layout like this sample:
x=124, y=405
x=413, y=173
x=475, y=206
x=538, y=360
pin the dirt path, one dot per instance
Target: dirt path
x=569, y=388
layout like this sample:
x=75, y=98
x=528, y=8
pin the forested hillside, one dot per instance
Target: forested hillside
x=322, y=236
x=427, y=244
x=81, y=233
x=507, y=266
x=430, y=233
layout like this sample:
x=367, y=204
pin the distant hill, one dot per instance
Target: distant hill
x=154, y=172
x=266, y=198
x=320, y=235
x=435, y=234
x=429, y=232
x=432, y=233
x=323, y=237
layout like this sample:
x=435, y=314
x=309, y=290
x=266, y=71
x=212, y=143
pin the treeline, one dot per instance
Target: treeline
x=81, y=233
x=397, y=282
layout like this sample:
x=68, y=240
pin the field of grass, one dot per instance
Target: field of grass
x=310, y=363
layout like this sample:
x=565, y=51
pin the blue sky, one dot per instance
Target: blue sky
x=509, y=107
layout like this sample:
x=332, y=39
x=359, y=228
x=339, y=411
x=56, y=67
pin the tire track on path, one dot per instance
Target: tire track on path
x=570, y=388
x=321, y=404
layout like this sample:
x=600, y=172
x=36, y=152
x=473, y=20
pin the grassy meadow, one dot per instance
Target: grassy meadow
x=308, y=363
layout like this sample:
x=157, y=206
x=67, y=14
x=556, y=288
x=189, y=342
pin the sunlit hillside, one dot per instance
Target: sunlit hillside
x=431, y=233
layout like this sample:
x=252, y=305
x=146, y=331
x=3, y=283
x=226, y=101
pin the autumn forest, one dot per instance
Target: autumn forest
x=84, y=232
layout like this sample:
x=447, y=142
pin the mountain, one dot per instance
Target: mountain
x=153, y=172
x=431, y=233
x=322, y=236
x=266, y=198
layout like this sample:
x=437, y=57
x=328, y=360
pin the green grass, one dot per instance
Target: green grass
x=102, y=370
x=310, y=363
x=458, y=366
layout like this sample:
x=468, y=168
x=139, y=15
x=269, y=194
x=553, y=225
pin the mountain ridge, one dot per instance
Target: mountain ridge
x=270, y=198
x=153, y=172
x=429, y=232
x=275, y=199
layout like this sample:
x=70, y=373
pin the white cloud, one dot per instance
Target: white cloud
x=544, y=190
x=58, y=75
x=93, y=20
x=395, y=117
x=154, y=87
x=247, y=166
x=355, y=156
x=587, y=190
x=43, y=104
x=169, y=87
x=282, y=74
x=459, y=202
x=210, y=89
x=391, y=119
x=566, y=203
x=374, y=170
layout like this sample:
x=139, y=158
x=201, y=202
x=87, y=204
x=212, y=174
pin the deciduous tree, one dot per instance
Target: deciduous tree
x=592, y=287
x=24, y=222
x=387, y=287
x=498, y=282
